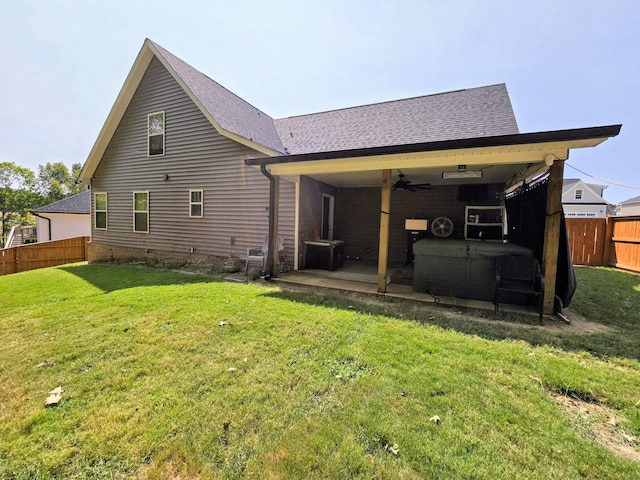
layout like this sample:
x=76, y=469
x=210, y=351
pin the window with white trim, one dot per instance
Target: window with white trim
x=578, y=195
x=195, y=203
x=100, y=210
x=155, y=133
x=141, y=212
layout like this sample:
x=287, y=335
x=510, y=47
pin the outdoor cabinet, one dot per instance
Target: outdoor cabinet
x=484, y=222
x=323, y=254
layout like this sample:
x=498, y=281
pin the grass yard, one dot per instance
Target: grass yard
x=169, y=375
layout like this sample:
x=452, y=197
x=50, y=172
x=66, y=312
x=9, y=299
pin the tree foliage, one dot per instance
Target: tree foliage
x=21, y=190
x=17, y=194
x=55, y=182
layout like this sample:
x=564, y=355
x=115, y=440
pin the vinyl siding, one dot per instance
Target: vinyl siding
x=236, y=197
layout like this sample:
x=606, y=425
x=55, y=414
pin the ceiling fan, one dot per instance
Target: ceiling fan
x=403, y=184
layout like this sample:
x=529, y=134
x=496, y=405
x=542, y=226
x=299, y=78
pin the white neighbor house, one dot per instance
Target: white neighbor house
x=584, y=200
x=67, y=218
x=629, y=207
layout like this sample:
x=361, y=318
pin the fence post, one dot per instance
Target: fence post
x=608, y=240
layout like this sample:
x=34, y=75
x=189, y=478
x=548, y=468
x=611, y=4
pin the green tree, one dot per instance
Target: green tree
x=18, y=195
x=55, y=182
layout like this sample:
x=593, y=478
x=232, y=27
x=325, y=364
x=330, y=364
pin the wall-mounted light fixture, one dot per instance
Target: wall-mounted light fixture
x=462, y=174
x=166, y=177
x=415, y=224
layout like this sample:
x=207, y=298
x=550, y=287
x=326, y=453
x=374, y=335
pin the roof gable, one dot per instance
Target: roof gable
x=229, y=114
x=589, y=195
x=470, y=113
x=80, y=203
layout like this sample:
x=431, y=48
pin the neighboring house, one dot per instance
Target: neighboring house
x=629, y=207
x=66, y=218
x=584, y=200
x=183, y=167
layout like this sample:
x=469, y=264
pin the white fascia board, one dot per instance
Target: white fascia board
x=437, y=159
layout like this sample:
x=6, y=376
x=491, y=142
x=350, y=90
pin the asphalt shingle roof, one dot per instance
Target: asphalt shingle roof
x=631, y=200
x=474, y=112
x=231, y=112
x=78, y=203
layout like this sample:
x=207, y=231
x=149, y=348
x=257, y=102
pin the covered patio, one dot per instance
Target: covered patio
x=358, y=181
x=322, y=279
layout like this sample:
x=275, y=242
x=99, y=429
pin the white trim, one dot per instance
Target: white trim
x=116, y=113
x=128, y=90
x=296, y=225
x=133, y=198
x=164, y=133
x=192, y=203
x=106, y=211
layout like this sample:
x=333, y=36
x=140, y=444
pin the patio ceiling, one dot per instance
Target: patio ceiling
x=503, y=159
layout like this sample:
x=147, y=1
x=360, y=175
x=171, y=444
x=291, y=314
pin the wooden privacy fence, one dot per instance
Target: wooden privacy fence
x=586, y=240
x=41, y=255
x=611, y=241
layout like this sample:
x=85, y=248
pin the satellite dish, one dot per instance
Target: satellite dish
x=442, y=227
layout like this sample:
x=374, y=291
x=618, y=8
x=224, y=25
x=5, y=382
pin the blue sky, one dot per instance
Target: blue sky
x=567, y=64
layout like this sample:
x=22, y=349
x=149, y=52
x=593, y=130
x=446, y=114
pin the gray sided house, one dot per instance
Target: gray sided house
x=183, y=167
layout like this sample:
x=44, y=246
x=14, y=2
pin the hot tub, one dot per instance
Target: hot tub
x=459, y=268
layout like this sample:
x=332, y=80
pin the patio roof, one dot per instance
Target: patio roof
x=500, y=158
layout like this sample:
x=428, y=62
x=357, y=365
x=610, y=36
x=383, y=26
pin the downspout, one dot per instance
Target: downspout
x=48, y=221
x=272, y=205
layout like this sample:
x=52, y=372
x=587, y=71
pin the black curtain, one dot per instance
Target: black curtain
x=526, y=215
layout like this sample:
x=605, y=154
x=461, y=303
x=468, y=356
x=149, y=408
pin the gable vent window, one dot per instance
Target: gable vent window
x=155, y=132
x=578, y=194
x=195, y=203
x=101, y=211
x=141, y=212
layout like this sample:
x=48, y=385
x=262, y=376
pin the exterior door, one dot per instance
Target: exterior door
x=327, y=216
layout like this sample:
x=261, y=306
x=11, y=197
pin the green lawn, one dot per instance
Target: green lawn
x=169, y=375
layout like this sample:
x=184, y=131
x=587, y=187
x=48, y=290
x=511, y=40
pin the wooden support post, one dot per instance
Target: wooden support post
x=385, y=212
x=552, y=234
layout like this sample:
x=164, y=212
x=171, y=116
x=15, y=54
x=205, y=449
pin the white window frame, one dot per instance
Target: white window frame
x=96, y=211
x=149, y=134
x=578, y=194
x=192, y=203
x=140, y=211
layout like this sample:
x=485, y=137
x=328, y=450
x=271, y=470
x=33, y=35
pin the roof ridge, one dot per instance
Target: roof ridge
x=398, y=100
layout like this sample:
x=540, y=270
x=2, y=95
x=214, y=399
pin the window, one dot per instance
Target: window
x=101, y=210
x=155, y=132
x=195, y=203
x=141, y=212
x=578, y=194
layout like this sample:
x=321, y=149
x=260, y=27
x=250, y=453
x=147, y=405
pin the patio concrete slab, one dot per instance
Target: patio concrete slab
x=312, y=278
